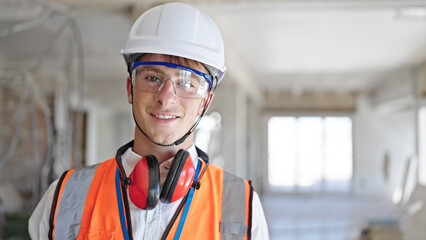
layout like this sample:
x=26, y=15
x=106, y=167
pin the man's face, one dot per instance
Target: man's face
x=164, y=116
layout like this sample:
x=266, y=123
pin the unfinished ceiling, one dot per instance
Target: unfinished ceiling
x=326, y=45
x=297, y=46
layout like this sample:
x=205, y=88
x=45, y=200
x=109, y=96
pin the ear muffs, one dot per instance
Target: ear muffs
x=179, y=178
x=145, y=183
x=144, y=189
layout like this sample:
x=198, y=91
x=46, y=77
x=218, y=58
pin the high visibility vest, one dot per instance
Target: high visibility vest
x=87, y=205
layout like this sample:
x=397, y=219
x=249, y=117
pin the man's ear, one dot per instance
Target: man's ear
x=129, y=90
x=208, y=99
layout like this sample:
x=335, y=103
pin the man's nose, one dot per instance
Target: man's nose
x=167, y=92
x=168, y=85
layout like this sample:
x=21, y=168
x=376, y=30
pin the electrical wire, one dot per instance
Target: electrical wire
x=19, y=117
x=29, y=92
x=40, y=176
x=33, y=148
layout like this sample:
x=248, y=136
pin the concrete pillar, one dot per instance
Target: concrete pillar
x=240, y=123
x=255, y=163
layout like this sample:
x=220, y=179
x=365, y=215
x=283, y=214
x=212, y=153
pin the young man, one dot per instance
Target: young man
x=158, y=186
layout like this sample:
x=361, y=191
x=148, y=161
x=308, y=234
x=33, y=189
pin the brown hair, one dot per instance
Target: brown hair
x=181, y=61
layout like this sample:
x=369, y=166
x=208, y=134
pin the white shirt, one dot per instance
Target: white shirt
x=146, y=224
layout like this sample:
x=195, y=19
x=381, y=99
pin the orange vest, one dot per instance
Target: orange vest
x=87, y=206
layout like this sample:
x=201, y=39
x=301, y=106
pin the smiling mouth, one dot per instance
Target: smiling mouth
x=160, y=116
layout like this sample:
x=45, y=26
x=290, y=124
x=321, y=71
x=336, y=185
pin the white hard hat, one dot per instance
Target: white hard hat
x=181, y=30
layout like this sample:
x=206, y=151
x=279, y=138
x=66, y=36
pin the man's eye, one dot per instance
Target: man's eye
x=186, y=83
x=152, y=78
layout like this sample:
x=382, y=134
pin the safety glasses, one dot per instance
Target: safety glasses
x=187, y=82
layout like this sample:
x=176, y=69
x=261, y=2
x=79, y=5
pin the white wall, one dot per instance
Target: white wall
x=385, y=134
x=378, y=136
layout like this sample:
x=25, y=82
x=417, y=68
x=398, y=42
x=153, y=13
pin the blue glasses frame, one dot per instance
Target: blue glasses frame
x=174, y=65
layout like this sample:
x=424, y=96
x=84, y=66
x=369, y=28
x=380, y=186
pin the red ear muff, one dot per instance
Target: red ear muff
x=179, y=178
x=144, y=189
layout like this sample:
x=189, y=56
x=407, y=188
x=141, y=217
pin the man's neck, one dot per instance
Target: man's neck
x=144, y=147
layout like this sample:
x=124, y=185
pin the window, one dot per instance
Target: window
x=310, y=154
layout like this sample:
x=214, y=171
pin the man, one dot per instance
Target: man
x=158, y=186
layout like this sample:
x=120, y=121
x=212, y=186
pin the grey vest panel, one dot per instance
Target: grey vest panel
x=71, y=204
x=234, y=208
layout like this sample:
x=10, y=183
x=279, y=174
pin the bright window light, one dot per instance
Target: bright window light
x=310, y=154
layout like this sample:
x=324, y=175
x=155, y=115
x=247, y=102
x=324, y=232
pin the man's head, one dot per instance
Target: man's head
x=179, y=43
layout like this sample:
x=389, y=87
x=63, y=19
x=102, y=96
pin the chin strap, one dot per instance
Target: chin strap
x=124, y=182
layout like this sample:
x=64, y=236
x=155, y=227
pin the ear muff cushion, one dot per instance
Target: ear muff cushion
x=154, y=182
x=144, y=189
x=173, y=176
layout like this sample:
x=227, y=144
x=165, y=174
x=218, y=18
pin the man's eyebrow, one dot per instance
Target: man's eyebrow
x=153, y=69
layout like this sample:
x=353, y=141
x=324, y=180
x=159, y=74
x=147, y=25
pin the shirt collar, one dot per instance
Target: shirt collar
x=130, y=158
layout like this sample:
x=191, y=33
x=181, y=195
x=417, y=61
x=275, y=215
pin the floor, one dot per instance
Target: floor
x=323, y=217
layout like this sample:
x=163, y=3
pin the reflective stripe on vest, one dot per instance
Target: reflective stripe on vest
x=234, y=208
x=221, y=208
x=70, y=206
x=97, y=214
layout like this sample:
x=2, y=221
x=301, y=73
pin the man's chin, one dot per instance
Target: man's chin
x=166, y=137
x=165, y=141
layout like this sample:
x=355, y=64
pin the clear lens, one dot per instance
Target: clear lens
x=151, y=78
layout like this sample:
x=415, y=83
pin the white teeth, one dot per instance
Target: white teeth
x=164, y=116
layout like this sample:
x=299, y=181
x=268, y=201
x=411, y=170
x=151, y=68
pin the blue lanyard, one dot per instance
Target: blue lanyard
x=187, y=204
x=184, y=213
x=120, y=205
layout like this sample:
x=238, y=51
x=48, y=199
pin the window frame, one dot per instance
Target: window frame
x=297, y=114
